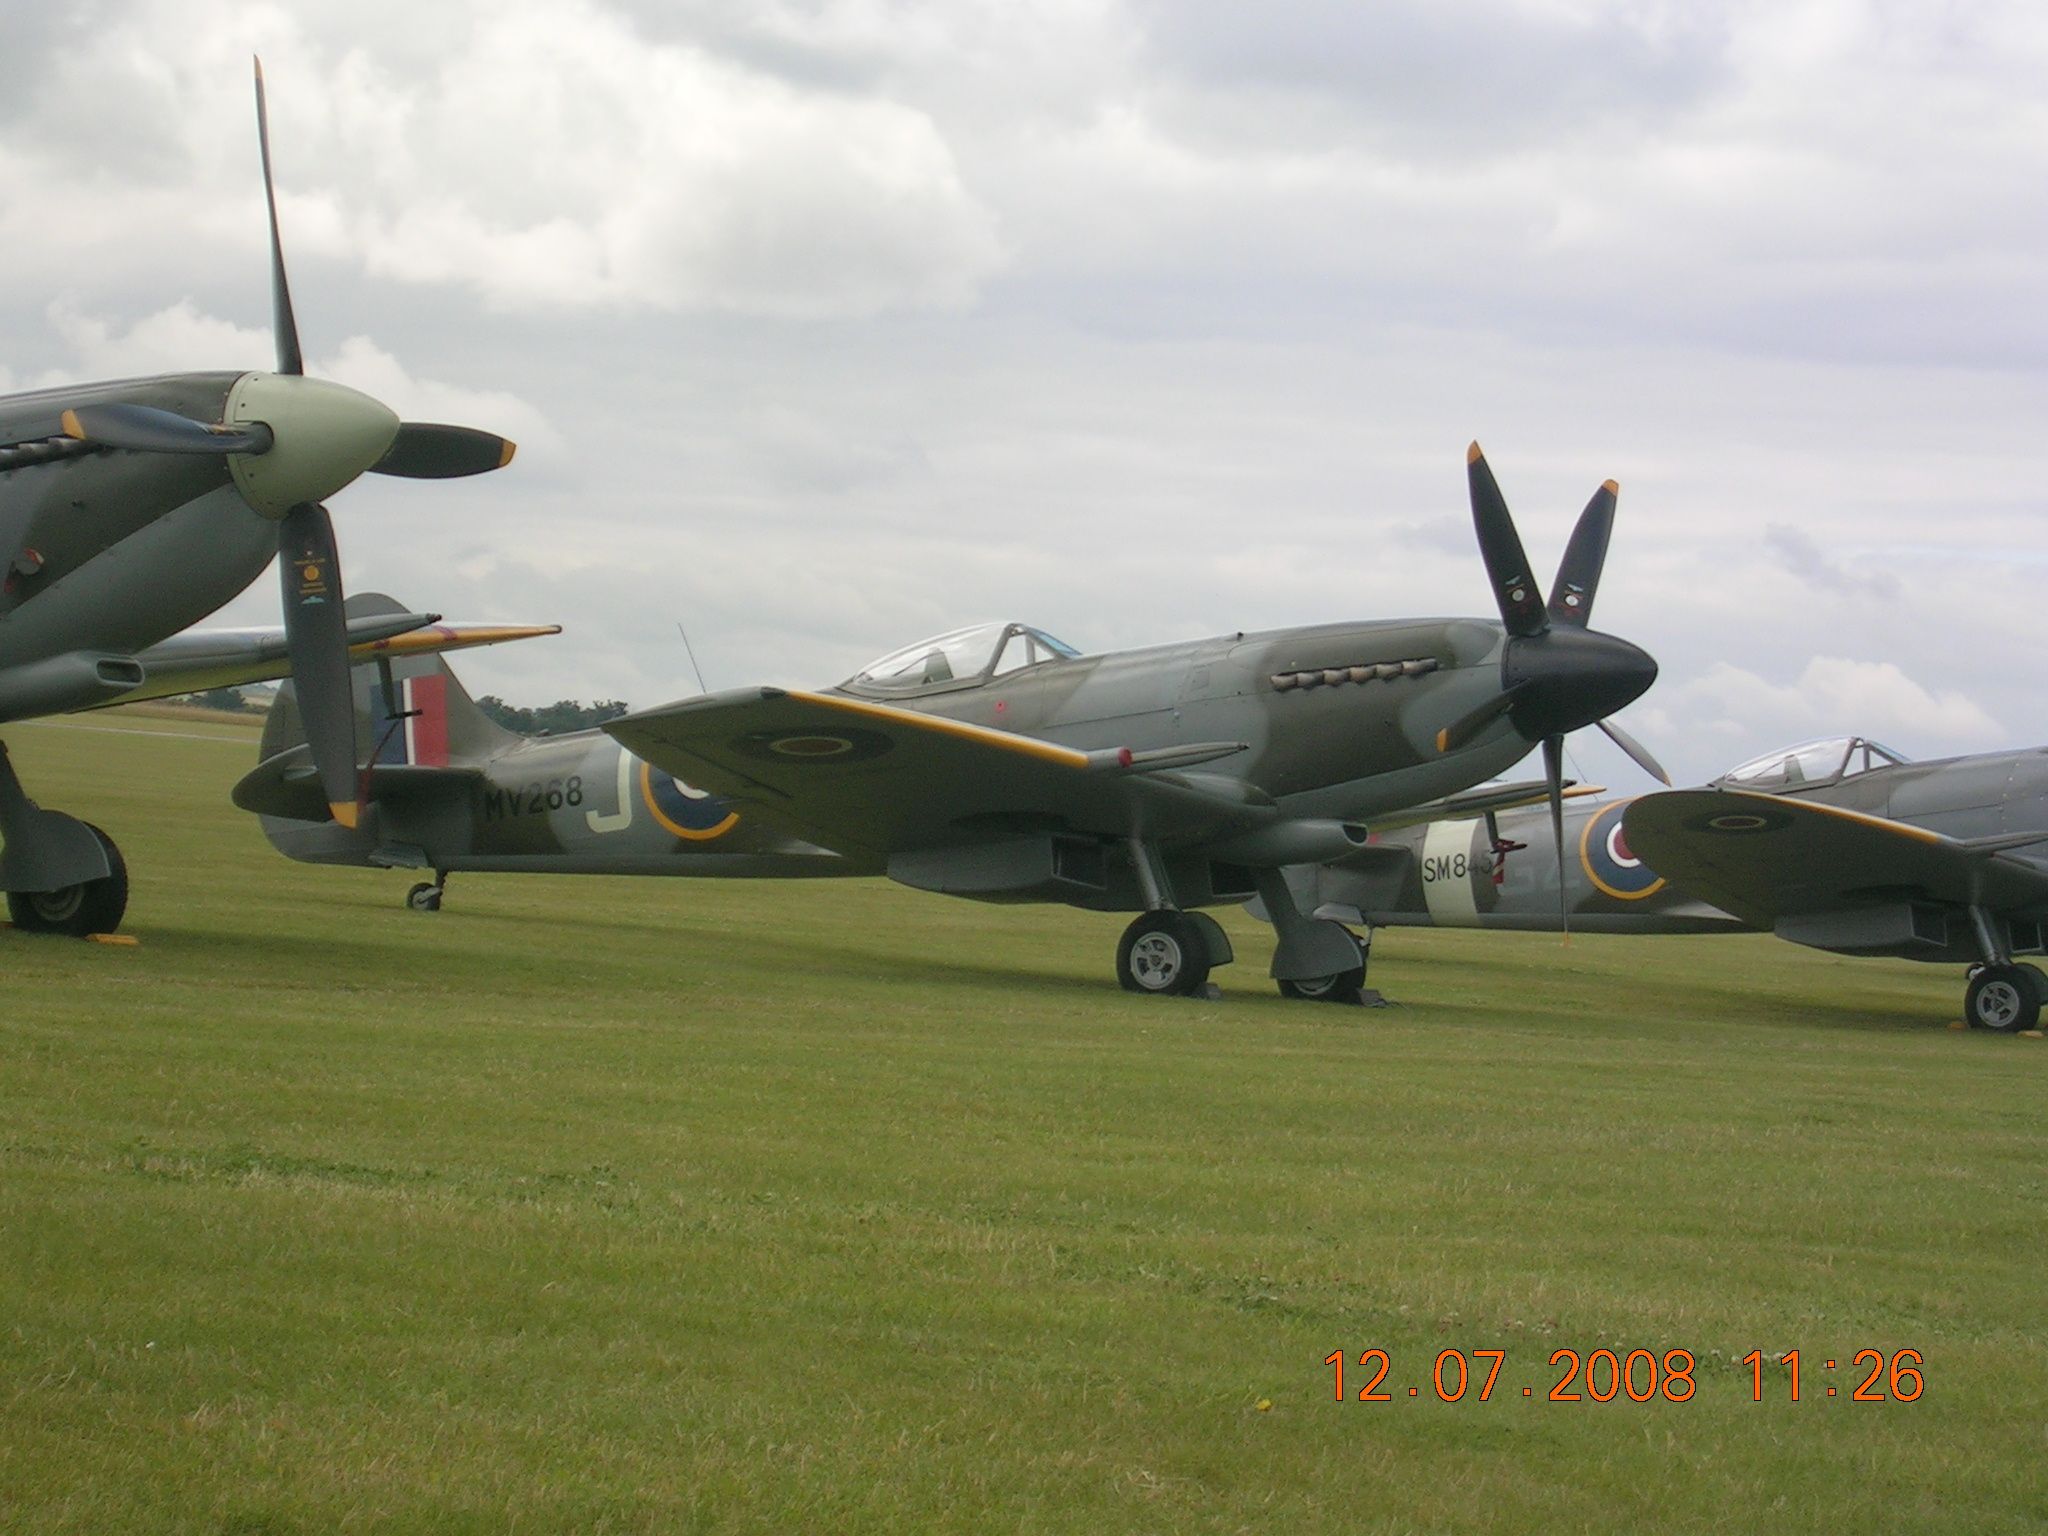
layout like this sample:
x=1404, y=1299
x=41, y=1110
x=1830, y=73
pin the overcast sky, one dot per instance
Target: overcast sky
x=826, y=325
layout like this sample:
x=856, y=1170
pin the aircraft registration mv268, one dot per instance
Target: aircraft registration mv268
x=131, y=510
x=999, y=764
x=1840, y=844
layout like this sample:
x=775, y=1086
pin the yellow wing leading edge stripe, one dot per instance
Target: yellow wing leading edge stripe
x=1843, y=813
x=1006, y=741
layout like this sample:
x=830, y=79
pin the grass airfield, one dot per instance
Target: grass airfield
x=670, y=1205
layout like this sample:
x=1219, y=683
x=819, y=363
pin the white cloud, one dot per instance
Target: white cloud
x=1832, y=695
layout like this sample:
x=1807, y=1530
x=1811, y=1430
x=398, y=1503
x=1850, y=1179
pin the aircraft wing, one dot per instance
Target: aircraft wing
x=200, y=659
x=1764, y=857
x=868, y=778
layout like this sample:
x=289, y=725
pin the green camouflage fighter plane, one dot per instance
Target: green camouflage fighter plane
x=999, y=764
x=129, y=511
x=1840, y=844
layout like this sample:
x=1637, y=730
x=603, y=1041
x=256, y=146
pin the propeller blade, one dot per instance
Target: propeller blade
x=1470, y=724
x=289, y=359
x=1507, y=567
x=145, y=429
x=425, y=450
x=1636, y=750
x=316, y=636
x=1553, y=778
x=1578, y=574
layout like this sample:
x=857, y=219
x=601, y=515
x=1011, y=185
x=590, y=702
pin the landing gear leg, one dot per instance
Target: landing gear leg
x=2002, y=996
x=1315, y=959
x=425, y=897
x=61, y=875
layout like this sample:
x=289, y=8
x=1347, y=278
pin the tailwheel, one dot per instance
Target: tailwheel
x=425, y=897
x=2004, y=998
x=92, y=906
x=1163, y=953
x=1347, y=986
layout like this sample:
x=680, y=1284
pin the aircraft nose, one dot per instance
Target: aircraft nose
x=1565, y=679
x=323, y=436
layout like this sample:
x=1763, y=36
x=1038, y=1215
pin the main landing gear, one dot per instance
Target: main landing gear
x=1345, y=986
x=1170, y=954
x=2003, y=996
x=61, y=875
x=426, y=897
x=1167, y=952
x=1314, y=960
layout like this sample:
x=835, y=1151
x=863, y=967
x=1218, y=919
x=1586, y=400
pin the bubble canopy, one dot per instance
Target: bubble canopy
x=960, y=658
x=1812, y=762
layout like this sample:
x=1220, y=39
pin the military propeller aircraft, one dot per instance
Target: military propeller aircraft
x=130, y=510
x=1840, y=844
x=998, y=763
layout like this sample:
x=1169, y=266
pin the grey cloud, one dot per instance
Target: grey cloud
x=1442, y=78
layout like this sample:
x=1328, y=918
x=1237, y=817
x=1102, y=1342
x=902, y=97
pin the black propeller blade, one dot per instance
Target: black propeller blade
x=145, y=429
x=1578, y=574
x=1507, y=567
x=289, y=359
x=1557, y=675
x=1553, y=780
x=1469, y=725
x=316, y=634
x=425, y=450
x=1636, y=750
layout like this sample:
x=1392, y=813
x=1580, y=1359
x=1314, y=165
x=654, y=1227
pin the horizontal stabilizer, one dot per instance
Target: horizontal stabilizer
x=201, y=659
x=288, y=785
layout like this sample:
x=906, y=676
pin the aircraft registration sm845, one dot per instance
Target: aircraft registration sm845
x=999, y=764
x=131, y=510
x=1841, y=844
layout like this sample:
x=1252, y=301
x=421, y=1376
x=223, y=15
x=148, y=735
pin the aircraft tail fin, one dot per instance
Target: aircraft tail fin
x=423, y=719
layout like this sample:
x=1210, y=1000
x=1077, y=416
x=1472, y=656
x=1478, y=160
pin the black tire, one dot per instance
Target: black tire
x=93, y=906
x=1162, y=954
x=1346, y=987
x=424, y=898
x=2004, y=999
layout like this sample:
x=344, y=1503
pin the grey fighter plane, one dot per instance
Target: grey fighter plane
x=1840, y=844
x=1000, y=764
x=448, y=790
x=130, y=510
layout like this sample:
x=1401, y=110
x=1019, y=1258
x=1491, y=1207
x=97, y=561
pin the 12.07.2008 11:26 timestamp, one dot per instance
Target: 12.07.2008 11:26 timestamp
x=1605, y=1375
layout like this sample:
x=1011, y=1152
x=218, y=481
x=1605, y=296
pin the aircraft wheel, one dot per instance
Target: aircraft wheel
x=92, y=906
x=1347, y=987
x=424, y=897
x=2004, y=998
x=1162, y=953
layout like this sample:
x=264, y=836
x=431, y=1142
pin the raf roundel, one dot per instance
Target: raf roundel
x=1605, y=855
x=688, y=813
x=843, y=744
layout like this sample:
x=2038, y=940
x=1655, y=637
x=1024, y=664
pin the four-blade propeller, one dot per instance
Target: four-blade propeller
x=1557, y=675
x=290, y=442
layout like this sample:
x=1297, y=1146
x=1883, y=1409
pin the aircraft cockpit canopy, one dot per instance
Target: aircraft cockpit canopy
x=960, y=658
x=1813, y=762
